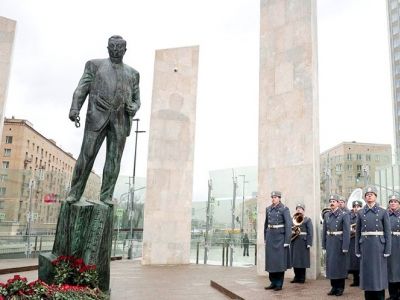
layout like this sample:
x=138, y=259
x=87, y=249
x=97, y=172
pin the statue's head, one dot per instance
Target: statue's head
x=116, y=48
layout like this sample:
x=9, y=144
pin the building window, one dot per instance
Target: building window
x=395, y=29
x=377, y=157
x=359, y=167
x=3, y=177
x=396, y=42
x=6, y=164
x=349, y=167
x=395, y=18
x=349, y=156
x=368, y=157
x=9, y=139
x=338, y=167
x=359, y=157
x=2, y=191
x=7, y=152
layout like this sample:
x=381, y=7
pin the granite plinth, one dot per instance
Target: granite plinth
x=84, y=230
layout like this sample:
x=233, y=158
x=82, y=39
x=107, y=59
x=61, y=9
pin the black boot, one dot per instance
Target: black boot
x=270, y=287
x=332, y=292
x=339, y=292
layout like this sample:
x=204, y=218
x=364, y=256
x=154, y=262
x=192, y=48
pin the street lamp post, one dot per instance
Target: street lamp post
x=233, y=216
x=133, y=187
x=242, y=220
x=208, y=216
x=32, y=185
x=29, y=216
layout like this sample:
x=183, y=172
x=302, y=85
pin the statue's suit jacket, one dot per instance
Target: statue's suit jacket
x=110, y=88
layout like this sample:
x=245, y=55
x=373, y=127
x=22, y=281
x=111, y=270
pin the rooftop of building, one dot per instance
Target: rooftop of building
x=23, y=122
x=354, y=143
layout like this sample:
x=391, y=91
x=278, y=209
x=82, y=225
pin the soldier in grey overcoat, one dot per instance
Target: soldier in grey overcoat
x=336, y=241
x=343, y=204
x=373, y=245
x=394, y=258
x=354, y=263
x=300, y=247
x=277, y=234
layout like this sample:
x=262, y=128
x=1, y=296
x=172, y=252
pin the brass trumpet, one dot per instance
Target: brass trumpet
x=353, y=230
x=297, y=220
x=323, y=212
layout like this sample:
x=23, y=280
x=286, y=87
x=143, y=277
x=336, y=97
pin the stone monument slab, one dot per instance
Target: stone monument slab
x=288, y=114
x=7, y=34
x=167, y=210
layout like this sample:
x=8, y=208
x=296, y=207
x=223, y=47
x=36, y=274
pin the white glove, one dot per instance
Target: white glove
x=386, y=255
x=285, y=245
x=308, y=246
x=345, y=251
x=358, y=255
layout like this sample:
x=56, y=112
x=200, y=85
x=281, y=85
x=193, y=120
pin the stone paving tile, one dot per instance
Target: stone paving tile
x=130, y=280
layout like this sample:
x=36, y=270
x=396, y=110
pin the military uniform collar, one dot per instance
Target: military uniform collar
x=336, y=212
x=394, y=212
x=373, y=208
x=278, y=206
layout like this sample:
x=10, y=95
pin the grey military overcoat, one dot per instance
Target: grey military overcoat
x=277, y=257
x=354, y=264
x=394, y=258
x=373, y=265
x=300, y=254
x=334, y=244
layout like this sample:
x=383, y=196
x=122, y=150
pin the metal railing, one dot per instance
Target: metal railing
x=17, y=246
x=223, y=252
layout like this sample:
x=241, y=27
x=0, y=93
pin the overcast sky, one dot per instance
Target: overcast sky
x=54, y=39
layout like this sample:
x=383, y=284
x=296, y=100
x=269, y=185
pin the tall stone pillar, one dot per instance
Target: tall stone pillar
x=7, y=33
x=167, y=210
x=288, y=114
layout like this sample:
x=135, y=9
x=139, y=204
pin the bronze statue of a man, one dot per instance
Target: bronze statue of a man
x=114, y=99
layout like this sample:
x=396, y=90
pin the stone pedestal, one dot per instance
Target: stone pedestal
x=288, y=114
x=7, y=33
x=84, y=230
x=167, y=209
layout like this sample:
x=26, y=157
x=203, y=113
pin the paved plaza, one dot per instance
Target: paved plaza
x=130, y=280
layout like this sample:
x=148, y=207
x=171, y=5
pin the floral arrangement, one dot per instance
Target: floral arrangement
x=73, y=280
x=73, y=271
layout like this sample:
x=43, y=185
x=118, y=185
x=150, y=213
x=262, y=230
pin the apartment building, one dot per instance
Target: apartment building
x=35, y=175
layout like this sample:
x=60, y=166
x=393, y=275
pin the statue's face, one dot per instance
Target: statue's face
x=116, y=49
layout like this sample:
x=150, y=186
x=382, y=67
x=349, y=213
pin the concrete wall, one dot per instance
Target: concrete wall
x=167, y=212
x=288, y=113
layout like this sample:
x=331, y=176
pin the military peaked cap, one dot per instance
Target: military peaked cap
x=276, y=194
x=371, y=189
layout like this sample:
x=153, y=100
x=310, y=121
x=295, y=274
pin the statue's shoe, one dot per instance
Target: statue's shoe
x=71, y=199
x=108, y=202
